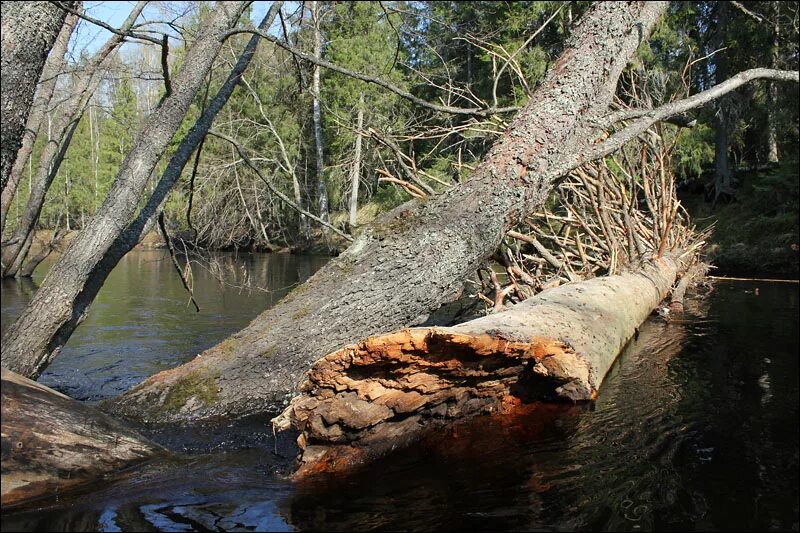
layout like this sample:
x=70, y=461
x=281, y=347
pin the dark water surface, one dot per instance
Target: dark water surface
x=695, y=428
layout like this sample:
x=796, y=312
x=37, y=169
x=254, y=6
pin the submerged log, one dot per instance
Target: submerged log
x=386, y=391
x=51, y=442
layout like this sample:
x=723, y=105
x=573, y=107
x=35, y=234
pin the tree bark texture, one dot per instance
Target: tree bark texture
x=723, y=174
x=772, y=88
x=52, y=68
x=28, y=31
x=63, y=299
x=67, y=119
x=413, y=259
x=370, y=397
x=51, y=442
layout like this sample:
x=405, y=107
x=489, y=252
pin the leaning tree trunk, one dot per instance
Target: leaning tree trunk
x=65, y=295
x=415, y=258
x=69, y=114
x=61, y=302
x=51, y=442
x=52, y=68
x=368, y=398
x=28, y=31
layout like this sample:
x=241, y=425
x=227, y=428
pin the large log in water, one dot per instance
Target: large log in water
x=368, y=398
x=415, y=258
x=51, y=442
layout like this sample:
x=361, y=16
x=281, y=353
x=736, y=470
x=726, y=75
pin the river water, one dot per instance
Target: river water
x=695, y=427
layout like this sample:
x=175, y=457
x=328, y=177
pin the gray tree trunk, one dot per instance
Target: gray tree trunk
x=772, y=89
x=52, y=68
x=355, y=179
x=321, y=191
x=413, y=259
x=723, y=174
x=28, y=31
x=56, y=309
x=64, y=297
x=68, y=116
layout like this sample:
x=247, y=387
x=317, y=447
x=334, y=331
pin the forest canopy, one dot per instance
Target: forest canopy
x=468, y=55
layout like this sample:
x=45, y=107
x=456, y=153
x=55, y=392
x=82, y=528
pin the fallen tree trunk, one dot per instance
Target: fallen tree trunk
x=415, y=258
x=368, y=398
x=51, y=442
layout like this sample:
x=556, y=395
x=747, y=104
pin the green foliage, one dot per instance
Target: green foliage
x=444, y=52
x=758, y=231
x=695, y=151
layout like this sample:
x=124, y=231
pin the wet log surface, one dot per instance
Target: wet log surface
x=51, y=443
x=387, y=391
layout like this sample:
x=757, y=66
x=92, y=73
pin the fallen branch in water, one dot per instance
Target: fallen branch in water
x=172, y=256
x=386, y=391
x=726, y=278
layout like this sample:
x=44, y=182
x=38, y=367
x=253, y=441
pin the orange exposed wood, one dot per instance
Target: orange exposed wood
x=358, y=401
x=386, y=391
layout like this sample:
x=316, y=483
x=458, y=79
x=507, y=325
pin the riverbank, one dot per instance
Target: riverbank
x=319, y=244
x=755, y=234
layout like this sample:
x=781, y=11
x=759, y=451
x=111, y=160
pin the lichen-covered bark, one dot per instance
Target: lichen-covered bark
x=60, y=303
x=367, y=398
x=51, y=443
x=28, y=31
x=413, y=259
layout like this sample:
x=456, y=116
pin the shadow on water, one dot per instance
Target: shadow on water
x=695, y=428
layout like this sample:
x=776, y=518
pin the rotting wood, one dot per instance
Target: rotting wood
x=366, y=399
x=51, y=443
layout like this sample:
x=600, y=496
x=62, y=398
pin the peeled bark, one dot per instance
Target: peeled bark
x=51, y=443
x=368, y=398
x=29, y=30
x=52, y=68
x=63, y=299
x=412, y=260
